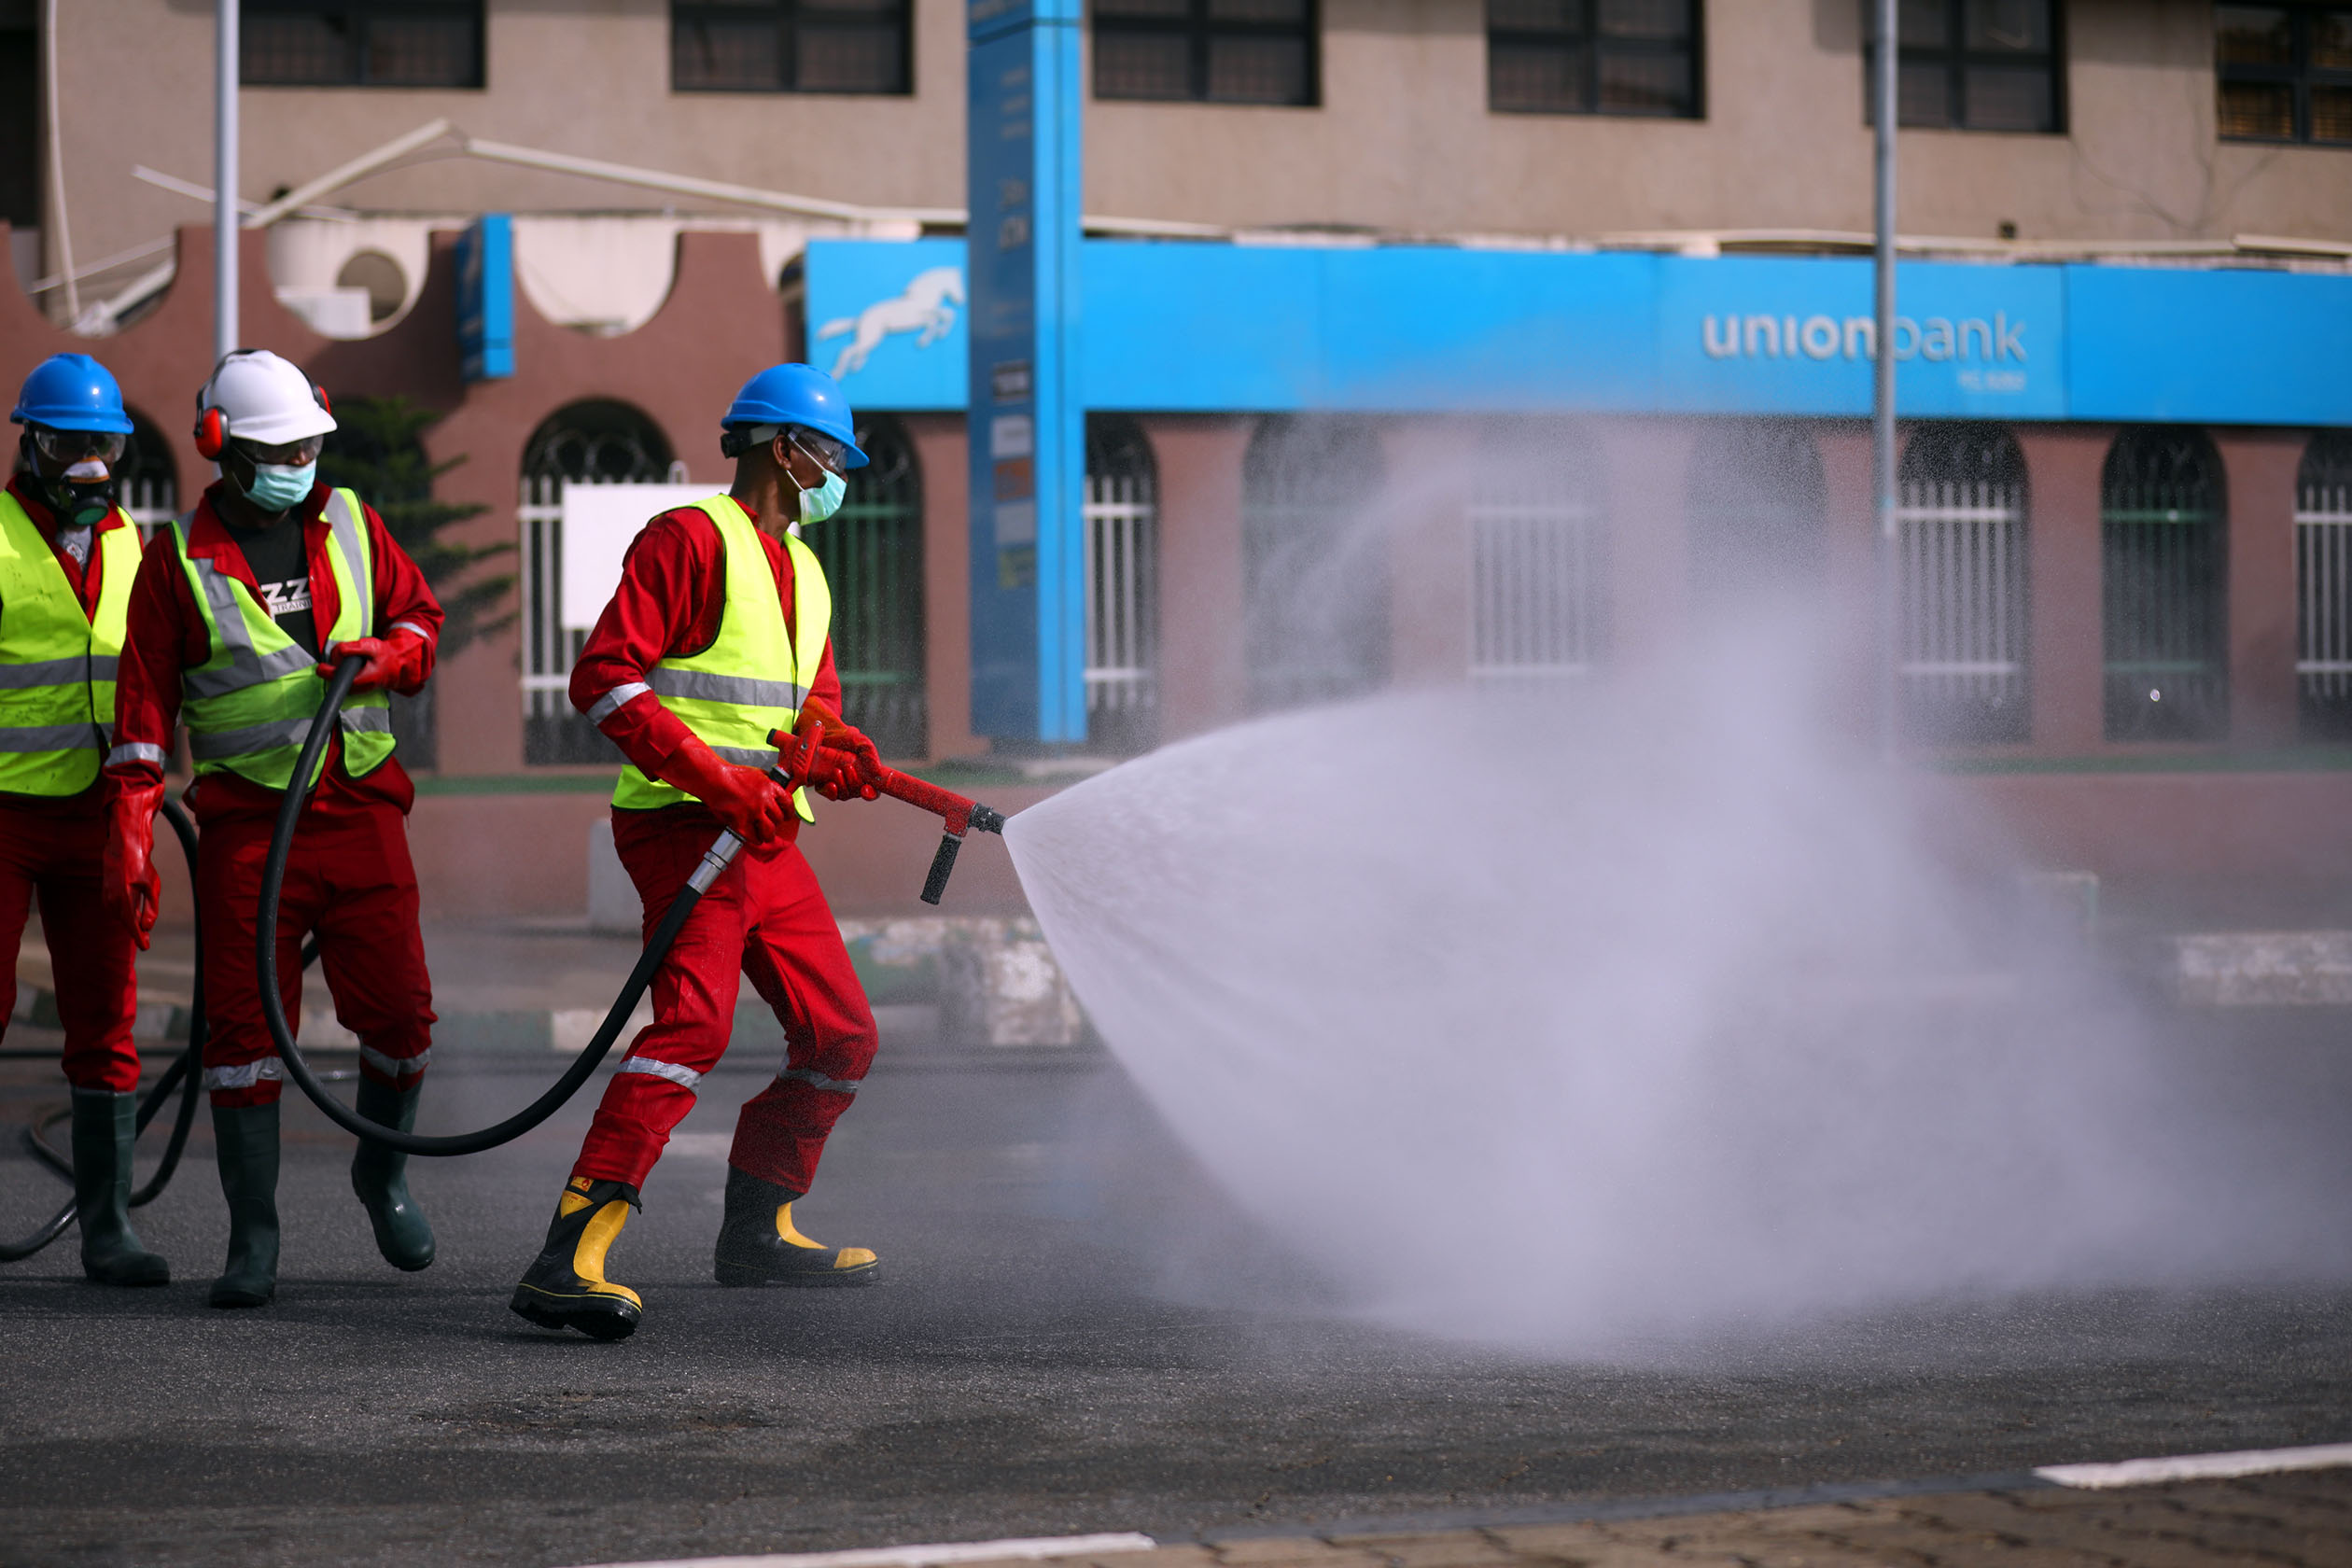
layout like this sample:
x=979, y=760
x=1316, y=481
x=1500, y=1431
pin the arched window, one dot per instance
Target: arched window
x=1122, y=586
x=2323, y=587
x=598, y=441
x=1535, y=554
x=1962, y=513
x=1759, y=510
x=873, y=553
x=1314, y=562
x=149, y=491
x=2162, y=520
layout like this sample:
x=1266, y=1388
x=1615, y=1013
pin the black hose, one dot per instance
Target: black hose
x=265, y=958
x=182, y=1073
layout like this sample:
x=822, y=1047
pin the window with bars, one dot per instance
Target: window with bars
x=2323, y=587
x=360, y=43
x=1216, y=51
x=1314, y=562
x=1535, y=554
x=1961, y=516
x=2284, y=73
x=1758, y=514
x=1122, y=565
x=1609, y=57
x=1972, y=64
x=791, y=45
x=595, y=442
x=871, y=550
x=2162, y=520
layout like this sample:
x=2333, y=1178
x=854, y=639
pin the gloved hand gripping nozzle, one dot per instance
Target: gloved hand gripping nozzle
x=798, y=760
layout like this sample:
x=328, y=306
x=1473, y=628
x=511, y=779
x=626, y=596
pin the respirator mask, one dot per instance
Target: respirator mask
x=83, y=493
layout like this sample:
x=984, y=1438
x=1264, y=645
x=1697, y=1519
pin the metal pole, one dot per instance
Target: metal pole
x=1882, y=385
x=224, y=179
x=61, y=232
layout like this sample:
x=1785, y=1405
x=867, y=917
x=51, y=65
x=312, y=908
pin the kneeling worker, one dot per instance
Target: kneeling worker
x=717, y=635
x=68, y=555
x=242, y=609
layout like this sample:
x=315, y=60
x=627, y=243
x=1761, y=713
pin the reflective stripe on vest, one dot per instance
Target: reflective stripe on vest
x=248, y=707
x=57, y=661
x=755, y=674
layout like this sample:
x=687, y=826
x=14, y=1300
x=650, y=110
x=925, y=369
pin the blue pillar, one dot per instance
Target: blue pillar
x=1027, y=427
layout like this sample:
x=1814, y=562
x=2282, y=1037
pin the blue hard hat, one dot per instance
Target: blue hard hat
x=797, y=395
x=72, y=392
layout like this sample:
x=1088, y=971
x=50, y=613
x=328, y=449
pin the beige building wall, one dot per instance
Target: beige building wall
x=1403, y=142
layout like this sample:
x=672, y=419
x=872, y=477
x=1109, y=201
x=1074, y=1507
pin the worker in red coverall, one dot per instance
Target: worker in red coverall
x=242, y=609
x=68, y=555
x=717, y=635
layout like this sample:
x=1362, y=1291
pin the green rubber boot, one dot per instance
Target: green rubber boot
x=247, y=1135
x=380, y=1176
x=104, y=1125
x=759, y=1244
x=566, y=1286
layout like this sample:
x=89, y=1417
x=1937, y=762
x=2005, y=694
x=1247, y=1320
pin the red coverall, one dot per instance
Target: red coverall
x=54, y=845
x=348, y=877
x=764, y=918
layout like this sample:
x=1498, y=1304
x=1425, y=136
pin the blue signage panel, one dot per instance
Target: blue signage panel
x=486, y=298
x=887, y=321
x=2230, y=347
x=1027, y=422
x=1178, y=327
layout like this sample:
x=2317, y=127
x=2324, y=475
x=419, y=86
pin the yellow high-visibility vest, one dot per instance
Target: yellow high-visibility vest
x=249, y=706
x=57, y=663
x=755, y=675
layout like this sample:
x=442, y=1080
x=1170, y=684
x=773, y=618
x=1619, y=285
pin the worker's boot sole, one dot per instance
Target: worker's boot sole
x=600, y=1317
x=735, y=1274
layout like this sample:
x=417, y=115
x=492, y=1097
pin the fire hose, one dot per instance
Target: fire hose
x=797, y=759
x=183, y=1073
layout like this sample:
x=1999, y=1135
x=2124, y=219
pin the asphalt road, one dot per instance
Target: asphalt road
x=1030, y=1365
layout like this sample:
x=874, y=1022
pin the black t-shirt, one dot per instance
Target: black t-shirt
x=281, y=566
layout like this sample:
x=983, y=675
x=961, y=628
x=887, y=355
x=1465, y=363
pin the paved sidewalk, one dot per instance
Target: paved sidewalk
x=2294, y=1520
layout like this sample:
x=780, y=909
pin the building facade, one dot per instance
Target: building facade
x=1365, y=405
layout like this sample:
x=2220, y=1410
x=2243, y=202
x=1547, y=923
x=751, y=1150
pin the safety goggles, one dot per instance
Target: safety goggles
x=286, y=455
x=78, y=446
x=829, y=453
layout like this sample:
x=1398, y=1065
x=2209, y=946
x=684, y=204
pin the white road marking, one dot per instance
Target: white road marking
x=917, y=1557
x=2198, y=1467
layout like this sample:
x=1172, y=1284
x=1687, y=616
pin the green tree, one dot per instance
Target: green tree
x=377, y=450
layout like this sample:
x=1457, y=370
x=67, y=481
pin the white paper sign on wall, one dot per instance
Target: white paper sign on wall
x=599, y=522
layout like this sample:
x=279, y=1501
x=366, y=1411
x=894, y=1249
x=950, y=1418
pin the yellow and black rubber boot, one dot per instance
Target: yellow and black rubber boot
x=758, y=1244
x=565, y=1287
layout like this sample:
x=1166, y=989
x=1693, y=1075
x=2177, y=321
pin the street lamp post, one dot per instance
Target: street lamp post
x=225, y=217
x=1882, y=385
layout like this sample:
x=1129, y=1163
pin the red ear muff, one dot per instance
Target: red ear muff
x=212, y=435
x=320, y=393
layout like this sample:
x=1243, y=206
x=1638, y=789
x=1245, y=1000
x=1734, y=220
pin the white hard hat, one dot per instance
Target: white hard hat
x=264, y=399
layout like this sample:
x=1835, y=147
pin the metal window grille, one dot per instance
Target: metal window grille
x=1314, y=563
x=360, y=43
x=1961, y=516
x=1219, y=51
x=872, y=551
x=2283, y=72
x=1973, y=64
x=586, y=444
x=791, y=45
x=1534, y=575
x=2323, y=587
x=2162, y=539
x=1122, y=560
x=152, y=501
x=1611, y=57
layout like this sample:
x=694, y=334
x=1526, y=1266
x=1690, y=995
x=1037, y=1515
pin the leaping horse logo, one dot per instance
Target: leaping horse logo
x=925, y=308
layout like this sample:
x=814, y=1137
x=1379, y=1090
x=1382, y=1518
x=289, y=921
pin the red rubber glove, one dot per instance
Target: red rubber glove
x=841, y=776
x=129, y=885
x=394, y=663
x=840, y=735
x=750, y=804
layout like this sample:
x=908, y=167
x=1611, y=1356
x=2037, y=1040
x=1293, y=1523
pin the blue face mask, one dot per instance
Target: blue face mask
x=820, y=503
x=279, y=485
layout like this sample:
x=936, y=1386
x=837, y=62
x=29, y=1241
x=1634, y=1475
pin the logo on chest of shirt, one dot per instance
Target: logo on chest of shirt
x=282, y=599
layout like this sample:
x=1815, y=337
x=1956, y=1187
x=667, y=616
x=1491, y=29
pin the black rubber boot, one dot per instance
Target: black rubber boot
x=380, y=1176
x=247, y=1135
x=565, y=1287
x=759, y=1246
x=104, y=1125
